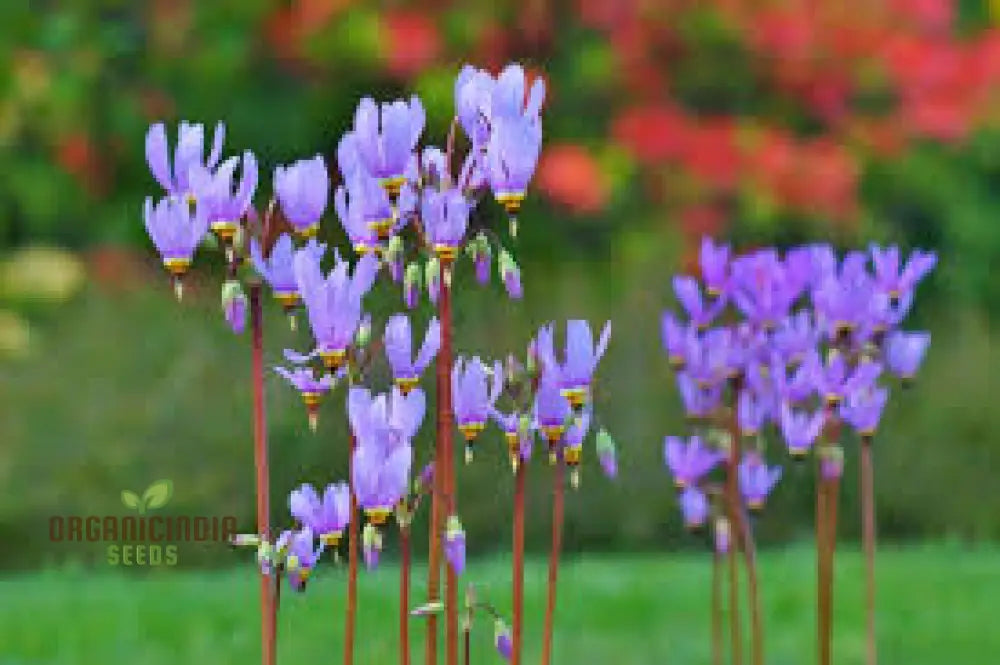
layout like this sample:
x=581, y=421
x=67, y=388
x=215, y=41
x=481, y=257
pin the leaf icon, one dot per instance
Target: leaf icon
x=131, y=500
x=158, y=494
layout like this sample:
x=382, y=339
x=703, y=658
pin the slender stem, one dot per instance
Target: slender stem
x=716, y=608
x=832, y=496
x=744, y=539
x=518, y=572
x=353, y=537
x=822, y=576
x=446, y=434
x=268, y=620
x=750, y=562
x=558, y=491
x=404, y=597
x=868, y=519
x=467, y=644
x=732, y=492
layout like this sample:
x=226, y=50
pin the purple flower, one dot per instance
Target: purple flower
x=795, y=387
x=552, y=409
x=383, y=427
x=678, y=339
x=387, y=137
x=473, y=103
x=509, y=100
x=213, y=191
x=756, y=480
x=454, y=544
x=175, y=231
x=714, y=357
x=364, y=210
x=517, y=431
x=795, y=336
x=326, y=516
x=502, y=640
x=190, y=152
x=905, y=351
x=312, y=389
x=833, y=381
x=515, y=136
x=863, y=408
x=371, y=545
x=800, y=429
x=445, y=216
x=510, y=274
x=234, y=305
x=399, y=350
x=843, y=303
x=300, y=557
x=689, y=462
x=333, y=303
x=694, y=507
x=699, y=400
x=762, y=287
x=689, y=294
x=714, y=262
x=580, y=358
x=888, y=276
x=302, y=189
x=474, y=394
x=751, y=412
x=278, y=268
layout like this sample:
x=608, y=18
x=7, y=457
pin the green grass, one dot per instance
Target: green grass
x=936, y=605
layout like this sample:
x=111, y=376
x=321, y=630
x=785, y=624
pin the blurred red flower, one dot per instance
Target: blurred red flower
x=412, y=42
x=570, y=176
x=651, y=133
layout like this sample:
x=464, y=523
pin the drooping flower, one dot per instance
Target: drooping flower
x=473, y=103
x=714, y=357
x=213, y=191
x=863, y=407
x=579, y=361
x=689, y=462
x=678, y=340
x=325, y=516
x=176, y=232
x=751, y=412
x=406, y=370
x=454, y=544
x=699, y=400
x=763, y=288
x=700, y=312
x=893, y=281
x=843, y=302
x=190, y=152
x=445, y=216
x=304, y=380
x=386, y=138
x=383, y=427
x=714, y=263
x=517, y=431
x=474, y=393
x=300, y=557
x=756, y=480
x=795, y=336
x=234, y=305
x=365, y=211
x=278, y=268
x=694, y=507
x=572, y=448
x=502, y=640
x=905, y=351
x=511, y=157
x=333, y=303
x=834, y=380
x=800, y=429
x=302, y=189
x=552, y=410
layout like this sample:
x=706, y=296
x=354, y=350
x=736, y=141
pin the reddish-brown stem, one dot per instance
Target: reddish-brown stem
x=558, y=492
x=467, y=645
x=832, y=497
x=716, y=608
x=822, y=589
x=404, y=596
x=352, y=563
x=736, y=519
x=868, y=536
x=268, y=620
x=446, y=434
x=518, y=572
x=756, y=629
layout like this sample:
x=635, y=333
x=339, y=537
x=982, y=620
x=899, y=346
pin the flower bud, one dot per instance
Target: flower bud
x=432, y=275
x=234, y=305
x=454, y=544
x=371, y=545
x=411, y=285
x=607, y=453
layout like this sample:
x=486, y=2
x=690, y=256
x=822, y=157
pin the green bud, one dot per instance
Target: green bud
x=364, y=333
x=604, y=442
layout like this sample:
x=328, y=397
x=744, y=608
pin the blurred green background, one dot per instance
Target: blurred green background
x=757, y=122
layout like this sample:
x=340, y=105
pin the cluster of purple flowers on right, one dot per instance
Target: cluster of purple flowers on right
x=794, y=343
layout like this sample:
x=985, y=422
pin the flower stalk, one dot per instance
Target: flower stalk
x=868, y=537
x=404, y=595
x=558, y=494
x=353, y=539
x=446, y=436
x=518, y=568
x=268, y=609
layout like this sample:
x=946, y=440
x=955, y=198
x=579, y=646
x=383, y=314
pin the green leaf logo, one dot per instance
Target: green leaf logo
x=131, y=500
x=158, y=494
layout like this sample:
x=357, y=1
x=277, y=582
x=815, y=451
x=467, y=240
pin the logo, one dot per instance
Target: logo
x=143, y=538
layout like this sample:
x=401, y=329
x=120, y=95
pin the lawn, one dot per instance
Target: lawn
x=936, y=605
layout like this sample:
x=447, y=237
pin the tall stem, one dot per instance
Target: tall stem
x=868, y=519
x=750, y=562
x=404, y=597
x=716, y=607
x=735, y=519
x=744, y=539
x=518, y=571
x=352, y=562
x=822, y=589
x=558, y=491
x=446, y=432
x=268, y=614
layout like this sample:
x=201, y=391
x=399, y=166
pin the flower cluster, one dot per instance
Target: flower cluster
x=795, y=344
